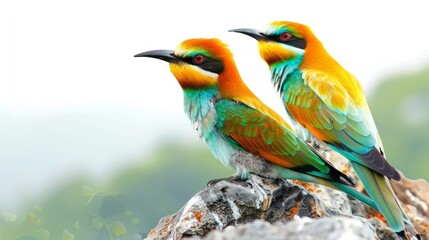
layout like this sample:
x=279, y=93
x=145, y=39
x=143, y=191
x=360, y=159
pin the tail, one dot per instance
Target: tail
x=352, y=192
x=380, y=191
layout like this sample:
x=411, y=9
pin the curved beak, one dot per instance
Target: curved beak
x=166, y=55
x=251, y=32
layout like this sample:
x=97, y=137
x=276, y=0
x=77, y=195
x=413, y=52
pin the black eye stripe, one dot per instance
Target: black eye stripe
x=292, y=41
x=208, y=64
x=212, y=66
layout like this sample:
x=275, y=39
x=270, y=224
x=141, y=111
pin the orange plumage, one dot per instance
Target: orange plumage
x=329, y=102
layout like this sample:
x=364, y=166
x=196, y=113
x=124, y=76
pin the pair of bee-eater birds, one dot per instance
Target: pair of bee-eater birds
x=320, y=96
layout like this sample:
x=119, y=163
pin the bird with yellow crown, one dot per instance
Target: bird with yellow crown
x=239, y=129
x=326, y=100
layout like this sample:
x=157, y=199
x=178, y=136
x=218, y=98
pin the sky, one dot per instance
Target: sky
x=73, y=99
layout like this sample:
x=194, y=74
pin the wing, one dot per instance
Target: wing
x=341, y=118
x=249, y=129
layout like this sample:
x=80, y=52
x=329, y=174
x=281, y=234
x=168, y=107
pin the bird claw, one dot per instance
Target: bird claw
x=234, y=178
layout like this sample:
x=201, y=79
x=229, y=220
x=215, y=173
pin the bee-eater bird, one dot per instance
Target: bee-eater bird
x=330, y=103
x=239, y=129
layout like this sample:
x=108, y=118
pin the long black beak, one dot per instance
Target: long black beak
x=166, y=55
x=251, y=32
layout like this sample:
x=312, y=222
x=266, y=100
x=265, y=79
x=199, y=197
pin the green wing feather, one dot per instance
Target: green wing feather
x=261, y=135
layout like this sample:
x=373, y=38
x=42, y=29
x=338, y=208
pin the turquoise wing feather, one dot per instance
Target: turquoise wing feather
x=327, y=110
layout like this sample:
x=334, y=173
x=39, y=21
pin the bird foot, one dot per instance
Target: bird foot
x=234, y=178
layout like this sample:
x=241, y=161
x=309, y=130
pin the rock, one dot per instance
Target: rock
x=230, y=203
x=280, y=209
x=414, y=196
x=329, y=228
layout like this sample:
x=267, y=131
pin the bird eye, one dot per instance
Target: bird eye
x=198, y=59
x=285, y=36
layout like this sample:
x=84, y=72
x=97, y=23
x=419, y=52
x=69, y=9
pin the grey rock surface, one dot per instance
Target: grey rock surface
x=281, y=209
x=230, y=203
x=329, y=228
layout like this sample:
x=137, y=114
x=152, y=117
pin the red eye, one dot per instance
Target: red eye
x=198, y=59
x=285, y=36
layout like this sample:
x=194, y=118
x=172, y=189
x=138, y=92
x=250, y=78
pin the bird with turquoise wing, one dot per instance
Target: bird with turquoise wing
x=239, y=129
x=328, y=103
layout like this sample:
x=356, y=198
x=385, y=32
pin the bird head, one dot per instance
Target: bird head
x=196, y=63
x=281, y=40
x=207, y=63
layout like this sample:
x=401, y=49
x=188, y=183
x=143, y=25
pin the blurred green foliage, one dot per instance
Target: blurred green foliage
x=400, y=107
x=133, y=201
x=126, y=207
